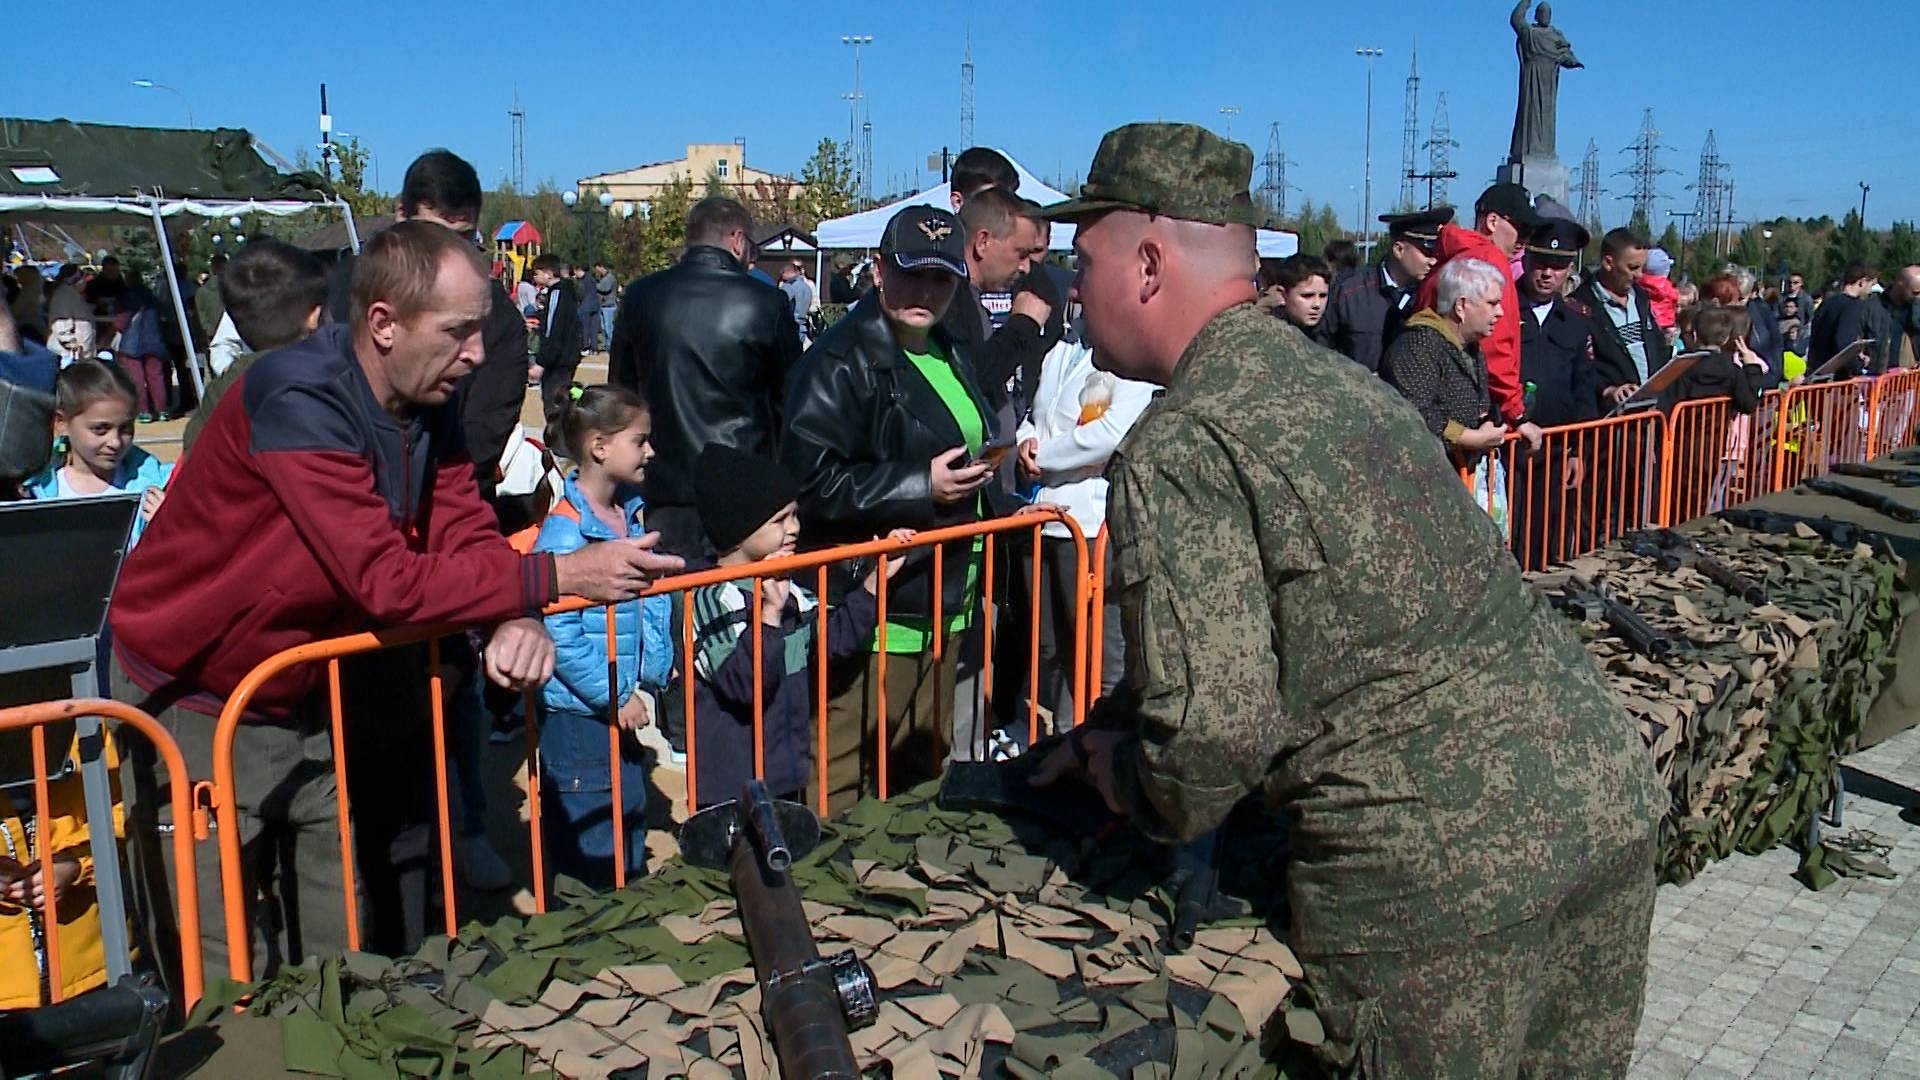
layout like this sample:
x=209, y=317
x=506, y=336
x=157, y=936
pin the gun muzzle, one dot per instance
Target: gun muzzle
x=763, y=827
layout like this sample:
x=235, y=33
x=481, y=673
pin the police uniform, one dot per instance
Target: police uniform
x=1367, y=307
x=1562, y=386
x=1316, y=612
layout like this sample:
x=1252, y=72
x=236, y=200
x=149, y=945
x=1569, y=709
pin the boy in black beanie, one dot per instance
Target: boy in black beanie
x=747, y=506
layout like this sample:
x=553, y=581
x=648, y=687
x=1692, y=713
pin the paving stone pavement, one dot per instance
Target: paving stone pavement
x=1752, y=974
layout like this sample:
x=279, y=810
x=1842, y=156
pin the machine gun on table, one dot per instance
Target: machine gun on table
x=1596, y=603
x=809, y=1003
x=1672, y=551
x=1872, y=500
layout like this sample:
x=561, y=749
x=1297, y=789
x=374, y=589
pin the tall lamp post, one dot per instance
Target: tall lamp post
x=1366, y=206
x=149, y=84
x=1229, y=111
x=861, y=150
x=588, y=212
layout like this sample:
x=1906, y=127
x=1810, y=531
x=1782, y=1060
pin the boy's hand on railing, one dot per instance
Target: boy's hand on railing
x=773, y=600
x=614, y=570
x=519, y=655
x=894, y=562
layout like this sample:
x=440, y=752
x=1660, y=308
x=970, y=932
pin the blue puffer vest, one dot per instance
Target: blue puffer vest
x=641, y=627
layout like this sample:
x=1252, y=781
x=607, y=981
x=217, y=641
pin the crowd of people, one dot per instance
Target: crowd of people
x=358, y=463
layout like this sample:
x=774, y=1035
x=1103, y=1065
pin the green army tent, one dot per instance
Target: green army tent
x=104, y=174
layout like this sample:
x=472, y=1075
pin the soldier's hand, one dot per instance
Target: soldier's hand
x=1088, y=754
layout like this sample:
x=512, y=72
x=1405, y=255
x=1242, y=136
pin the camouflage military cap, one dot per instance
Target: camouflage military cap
x=1174, y=170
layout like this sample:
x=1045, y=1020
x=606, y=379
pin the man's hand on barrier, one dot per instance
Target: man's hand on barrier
x=616, y=569
x=1572, y=471
x=1531, y=432
x=1485, y=437
x=519, y=654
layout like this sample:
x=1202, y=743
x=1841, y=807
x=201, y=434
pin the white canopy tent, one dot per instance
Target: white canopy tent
x=862, y=230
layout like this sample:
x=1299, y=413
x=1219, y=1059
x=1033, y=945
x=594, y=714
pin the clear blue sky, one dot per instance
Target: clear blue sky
x=609, y=85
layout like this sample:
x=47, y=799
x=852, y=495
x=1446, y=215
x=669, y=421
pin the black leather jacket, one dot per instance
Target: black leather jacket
x=863, y=427
x=710, y=348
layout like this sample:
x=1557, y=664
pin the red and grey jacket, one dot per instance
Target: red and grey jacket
x=307, y=512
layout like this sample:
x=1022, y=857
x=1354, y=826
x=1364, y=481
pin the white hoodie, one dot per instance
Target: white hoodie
x=1073, y=456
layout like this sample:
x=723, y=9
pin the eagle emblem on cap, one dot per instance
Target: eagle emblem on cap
x=935, y=229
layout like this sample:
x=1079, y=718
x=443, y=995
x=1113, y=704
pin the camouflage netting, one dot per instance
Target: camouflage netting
x=1747, y=723
x=1013, y=950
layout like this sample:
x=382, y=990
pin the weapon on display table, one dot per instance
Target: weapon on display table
x=1872, y=500
x=1596, y=603
x=1672, y=551
x=1903, y=478
x=810, y=1003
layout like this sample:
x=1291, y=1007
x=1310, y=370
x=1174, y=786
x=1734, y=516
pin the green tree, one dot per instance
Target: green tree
x=1670, y=240
x=643, y=244
x=351, y=185
x=1902, y=247
x=1752, y=249
x=715, y=188
x=827, y=180
x=1848, y=243
x=1316, y=226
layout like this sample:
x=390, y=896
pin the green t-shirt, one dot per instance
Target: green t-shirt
x=913, y=635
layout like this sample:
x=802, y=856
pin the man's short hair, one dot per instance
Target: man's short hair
x=1618, y=242
x=1342, y=255
x=1460, y=278
x=270, y=288
x=401, y=266
x=978, y=168
x=714, y=219
x=1858, y=270
x=550, y=263
x=443, y=180
x=1295, y=270
x=993, y=209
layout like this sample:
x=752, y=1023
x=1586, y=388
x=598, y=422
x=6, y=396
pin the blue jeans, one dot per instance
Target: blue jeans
x=576, y=798
x=606, y=327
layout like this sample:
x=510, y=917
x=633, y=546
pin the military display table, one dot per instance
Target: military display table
x=1749, y=688
x=1000, y=949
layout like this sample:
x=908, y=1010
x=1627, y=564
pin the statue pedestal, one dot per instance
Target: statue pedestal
x=1539, y=175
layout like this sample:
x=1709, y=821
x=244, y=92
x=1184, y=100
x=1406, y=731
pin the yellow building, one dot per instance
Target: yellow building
x=643, y=183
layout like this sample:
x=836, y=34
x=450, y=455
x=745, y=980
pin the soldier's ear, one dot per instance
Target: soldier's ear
x=1153, y=266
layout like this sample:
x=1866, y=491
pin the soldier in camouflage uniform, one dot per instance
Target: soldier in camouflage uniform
x=1317, y=612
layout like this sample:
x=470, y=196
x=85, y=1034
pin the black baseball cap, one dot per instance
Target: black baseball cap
x=1510, y=201
x=923, y=238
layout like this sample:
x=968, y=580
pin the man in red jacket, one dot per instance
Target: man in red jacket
x=1501, y=217
x=330, y=492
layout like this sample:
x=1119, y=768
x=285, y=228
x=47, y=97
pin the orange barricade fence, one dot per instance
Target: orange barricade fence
x=1096, y=616
x=1585, y=485
x=35, y=719
x=1892, y=411
x=1826, y=424
x=982, y=535
x=1717, y=457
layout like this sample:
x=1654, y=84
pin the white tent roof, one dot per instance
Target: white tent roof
x=862, y=230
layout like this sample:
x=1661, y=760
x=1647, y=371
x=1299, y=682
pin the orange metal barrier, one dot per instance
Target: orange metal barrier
x=1614, y=490
x=332, y=650
x=1716, y=457
x=1825, y=424
x=35, y=718
x=1096, y=617
x=1891, y=408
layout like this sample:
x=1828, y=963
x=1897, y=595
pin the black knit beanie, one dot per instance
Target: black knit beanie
x=738, y=492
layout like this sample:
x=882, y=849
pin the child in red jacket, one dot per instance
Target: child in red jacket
x=1660, y=289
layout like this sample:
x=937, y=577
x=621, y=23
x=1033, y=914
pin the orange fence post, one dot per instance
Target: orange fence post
x=538, y=847
x=437, y=693
x=1096, y=617
x=820, y=689
x=35, y=717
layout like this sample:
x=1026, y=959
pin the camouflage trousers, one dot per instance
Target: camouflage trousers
x=1559, y=996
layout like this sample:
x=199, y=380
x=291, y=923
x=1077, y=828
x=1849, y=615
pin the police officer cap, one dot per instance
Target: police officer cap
x=1422, y=227
x=1558, y=238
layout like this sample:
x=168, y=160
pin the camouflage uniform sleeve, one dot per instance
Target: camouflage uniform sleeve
x=1202, y=687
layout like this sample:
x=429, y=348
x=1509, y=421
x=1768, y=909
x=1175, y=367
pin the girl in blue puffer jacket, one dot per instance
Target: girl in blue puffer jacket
x=605, y=430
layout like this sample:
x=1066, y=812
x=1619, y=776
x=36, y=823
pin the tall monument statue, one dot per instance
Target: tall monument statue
x=1543, y=51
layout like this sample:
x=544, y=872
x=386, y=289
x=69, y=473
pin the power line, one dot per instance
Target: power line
x=1645, y=171
x=1711, y=204
x=966, y=93
x=1440, y=145
x=1273, y=187
x=1410, y=132
x=1590, y=189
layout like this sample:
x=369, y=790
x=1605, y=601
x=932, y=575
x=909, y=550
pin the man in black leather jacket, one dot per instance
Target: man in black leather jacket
x=710, y=348
x=883, y=419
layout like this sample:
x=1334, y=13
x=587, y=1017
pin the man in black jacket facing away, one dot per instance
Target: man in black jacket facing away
x=709, y=347
x=559, y=329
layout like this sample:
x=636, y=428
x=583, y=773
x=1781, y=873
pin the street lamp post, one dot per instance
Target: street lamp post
x=1229, y=111
x=1366, y=211
x=1864, y=188
x=588, y=211
x=149, y=84
x=861, y=150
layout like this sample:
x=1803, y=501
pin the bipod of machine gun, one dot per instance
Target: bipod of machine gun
x=1672, y=551
x=810, y=1003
